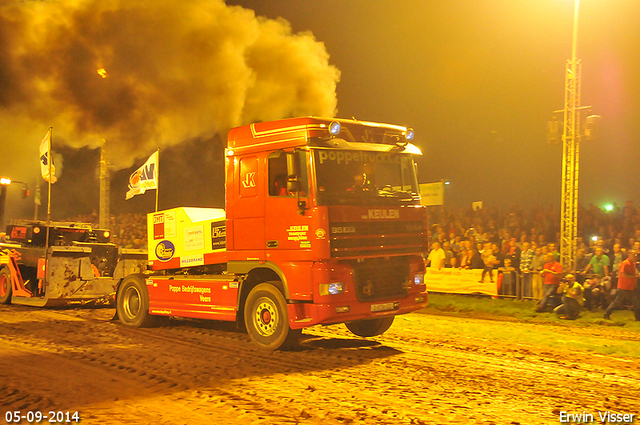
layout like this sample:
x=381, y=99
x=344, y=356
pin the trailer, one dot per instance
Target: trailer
x=80, y=267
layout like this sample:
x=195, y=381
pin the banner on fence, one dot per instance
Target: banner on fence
x=459, y=281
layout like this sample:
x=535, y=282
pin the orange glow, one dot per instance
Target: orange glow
x=102, y=72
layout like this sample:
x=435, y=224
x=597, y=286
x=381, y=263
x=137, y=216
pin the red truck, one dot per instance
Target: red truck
x=323, y=224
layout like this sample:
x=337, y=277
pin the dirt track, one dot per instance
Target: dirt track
x=195, y=372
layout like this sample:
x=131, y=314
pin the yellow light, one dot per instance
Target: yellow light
x=5, y=180
x=102, y=72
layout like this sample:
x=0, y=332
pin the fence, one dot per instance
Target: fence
x=510, y=284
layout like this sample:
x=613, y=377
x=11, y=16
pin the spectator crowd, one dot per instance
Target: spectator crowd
x=522, y=247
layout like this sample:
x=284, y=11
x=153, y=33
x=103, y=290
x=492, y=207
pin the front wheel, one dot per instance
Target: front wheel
x=266, y=318
x=132, y=303
x=5, y=286
x=370, y=327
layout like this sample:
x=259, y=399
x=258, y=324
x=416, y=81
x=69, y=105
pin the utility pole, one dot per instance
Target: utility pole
x=36, y=201
x=3, y=200
x=104, y=187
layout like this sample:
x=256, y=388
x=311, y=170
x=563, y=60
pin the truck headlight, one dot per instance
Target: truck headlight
x=332, y=288
x=418, y=279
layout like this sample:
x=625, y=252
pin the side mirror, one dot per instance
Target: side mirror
x=293, y=186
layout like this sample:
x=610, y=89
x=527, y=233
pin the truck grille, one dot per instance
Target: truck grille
x=380, y=278
x=358, y=239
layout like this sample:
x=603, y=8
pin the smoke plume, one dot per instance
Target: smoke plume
x=143, y=74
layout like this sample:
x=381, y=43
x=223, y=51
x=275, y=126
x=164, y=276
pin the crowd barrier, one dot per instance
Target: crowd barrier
x=458, y=281
x=508, y=284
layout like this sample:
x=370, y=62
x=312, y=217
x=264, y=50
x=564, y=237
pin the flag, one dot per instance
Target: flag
x=45, y=157
x=144, y=178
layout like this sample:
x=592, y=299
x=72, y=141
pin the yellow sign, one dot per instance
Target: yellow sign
x=432, y=194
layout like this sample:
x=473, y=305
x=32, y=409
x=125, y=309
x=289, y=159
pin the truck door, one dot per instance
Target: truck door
x=248, y=229
x=286, y=229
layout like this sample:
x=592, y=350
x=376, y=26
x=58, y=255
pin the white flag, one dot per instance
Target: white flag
x=144, y=178
x=45, y=157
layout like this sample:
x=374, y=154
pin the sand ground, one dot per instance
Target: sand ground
x=199, y=372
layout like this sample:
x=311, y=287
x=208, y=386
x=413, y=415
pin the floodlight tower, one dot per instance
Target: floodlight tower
x=570, y=152
x=571, y=137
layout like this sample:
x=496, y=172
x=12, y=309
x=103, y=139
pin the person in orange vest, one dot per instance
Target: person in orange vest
x=626, y=286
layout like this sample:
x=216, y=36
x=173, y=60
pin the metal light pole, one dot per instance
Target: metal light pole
x=4, y=182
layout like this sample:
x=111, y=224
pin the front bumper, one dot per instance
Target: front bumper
x=303, y=315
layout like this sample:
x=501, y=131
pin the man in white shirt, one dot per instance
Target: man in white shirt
x=436, y=257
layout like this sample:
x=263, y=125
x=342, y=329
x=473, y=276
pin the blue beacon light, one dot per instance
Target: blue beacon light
x=334, y=128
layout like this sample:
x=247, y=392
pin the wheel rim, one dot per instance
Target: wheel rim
x=4, y=285
x=131, y=302
x=266, y=317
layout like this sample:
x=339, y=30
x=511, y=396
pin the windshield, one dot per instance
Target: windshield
x=364, y=178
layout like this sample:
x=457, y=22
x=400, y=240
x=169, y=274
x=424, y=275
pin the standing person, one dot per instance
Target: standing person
x=513, y=254
x=489, y=263
x=436, y=257
x=448, y=254
x=554, y=250
x=508, y=278
x=571, y=300
x=526, y=257
x=465, y=257
x=582, y=261
x=499, y=255
x=475, y=261
x=599, y=263
x=617, y=258
x=537, y=263
x=551, y=273
x=626, y=286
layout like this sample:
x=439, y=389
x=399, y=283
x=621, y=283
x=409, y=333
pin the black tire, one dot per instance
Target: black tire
x=5, y=286
x=267, y=320
x=370, y=327
x=132, y=303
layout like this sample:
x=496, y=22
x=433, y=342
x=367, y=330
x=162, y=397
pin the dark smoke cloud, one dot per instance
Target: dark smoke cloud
x=175, y=71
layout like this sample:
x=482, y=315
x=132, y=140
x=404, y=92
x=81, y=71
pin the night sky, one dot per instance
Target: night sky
x=477, y=80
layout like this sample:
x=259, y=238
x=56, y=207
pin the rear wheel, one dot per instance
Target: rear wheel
x=132, y=303
x=5, y=286
x=266, y=318
x=370, y=327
